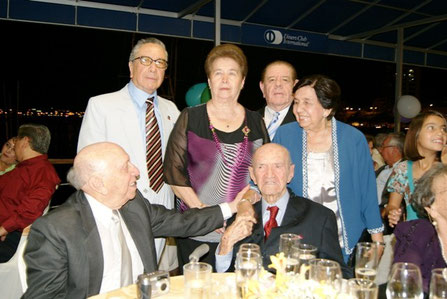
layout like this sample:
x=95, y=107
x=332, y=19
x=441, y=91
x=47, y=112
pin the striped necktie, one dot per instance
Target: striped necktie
x=153, y=148
x=273, y=126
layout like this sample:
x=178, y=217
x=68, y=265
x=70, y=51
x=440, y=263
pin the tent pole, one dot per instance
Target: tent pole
x=217, y=31
x=398, y=90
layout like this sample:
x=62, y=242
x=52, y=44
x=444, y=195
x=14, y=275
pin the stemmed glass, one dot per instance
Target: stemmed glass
x=327, y=277
x=438, y=283
x=362, y=289
x=405, y=282
x=248, y=265
x=366, y=260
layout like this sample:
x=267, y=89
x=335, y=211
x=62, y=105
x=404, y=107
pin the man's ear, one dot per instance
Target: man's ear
x=252, y=174
x=261, y=86
x=291, y=173
x=96, y=184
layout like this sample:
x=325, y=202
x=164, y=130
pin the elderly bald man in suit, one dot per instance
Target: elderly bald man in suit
x=102, y=238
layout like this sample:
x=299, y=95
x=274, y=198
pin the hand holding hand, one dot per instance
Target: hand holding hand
x=394, y=216
x=238, y=230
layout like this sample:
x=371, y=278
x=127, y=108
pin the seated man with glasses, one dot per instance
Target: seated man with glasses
x=140, y=121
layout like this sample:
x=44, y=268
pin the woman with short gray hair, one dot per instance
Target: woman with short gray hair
x=423, y=241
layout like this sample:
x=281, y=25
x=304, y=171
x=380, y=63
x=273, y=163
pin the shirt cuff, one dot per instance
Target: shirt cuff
x=226, y=210
x=223, y=262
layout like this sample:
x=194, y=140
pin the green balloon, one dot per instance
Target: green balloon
x=206, y=95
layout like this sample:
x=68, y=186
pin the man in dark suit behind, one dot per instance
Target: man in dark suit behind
x=74, y=251
x=277, y=82
x=271, y=170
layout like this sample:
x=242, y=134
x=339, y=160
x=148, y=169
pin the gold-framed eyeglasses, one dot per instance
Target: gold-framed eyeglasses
x=147, y=61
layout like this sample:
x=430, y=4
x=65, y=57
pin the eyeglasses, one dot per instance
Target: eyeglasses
x=147, y=61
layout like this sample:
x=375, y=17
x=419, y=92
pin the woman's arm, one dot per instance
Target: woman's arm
x=392, y=209
x=188, y=195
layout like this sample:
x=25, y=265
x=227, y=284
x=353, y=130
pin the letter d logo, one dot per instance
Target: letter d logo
x=273, y=37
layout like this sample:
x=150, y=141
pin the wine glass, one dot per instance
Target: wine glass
x=362, y=288
x=405, y=282
x=250, y=247
x=248, y=265
x=366, y=260
x=438, y=283
x=326, y=275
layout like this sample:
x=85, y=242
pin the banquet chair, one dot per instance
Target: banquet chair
x=12, y=280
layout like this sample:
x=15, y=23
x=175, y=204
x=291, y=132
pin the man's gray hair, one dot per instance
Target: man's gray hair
x=74, y=179
x=39, y=136
x=141, y=42
x=423, y=195
x=397, y=140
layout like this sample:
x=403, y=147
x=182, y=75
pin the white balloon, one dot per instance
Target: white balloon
x=408, y=106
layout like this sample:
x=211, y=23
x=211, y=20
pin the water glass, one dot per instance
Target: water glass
x=362, y=288
x=250, y=247
x=405, y=282
x=303, y=253
x=366, y=260
x=197, y=280
x=247, y=266
x=327, y=276
x=438, y=283
x=286, y=242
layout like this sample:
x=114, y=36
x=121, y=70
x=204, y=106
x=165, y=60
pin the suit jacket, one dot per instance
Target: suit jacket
x=112, y=117
x=314, y=222
x=64, y=254
x=290, y=117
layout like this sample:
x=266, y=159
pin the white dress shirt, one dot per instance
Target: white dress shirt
x=269, y=113
x=382, y=179
x=112, y=256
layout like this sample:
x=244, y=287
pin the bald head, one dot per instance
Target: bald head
x=103, y=170
x=271, y=170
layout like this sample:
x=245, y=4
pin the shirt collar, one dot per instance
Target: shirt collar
x=272, y=112
x=102, y=213
x=281, y=203
x=139, y=96
x=32, y=160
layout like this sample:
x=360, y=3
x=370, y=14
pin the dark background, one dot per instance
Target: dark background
x=61, y=67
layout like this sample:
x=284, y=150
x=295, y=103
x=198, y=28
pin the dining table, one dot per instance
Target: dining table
x=176, y=289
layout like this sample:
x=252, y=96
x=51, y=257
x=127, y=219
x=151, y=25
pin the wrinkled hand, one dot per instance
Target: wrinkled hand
x=238, y=230
x=3, y=233
x=222, y=229
x=394, y=216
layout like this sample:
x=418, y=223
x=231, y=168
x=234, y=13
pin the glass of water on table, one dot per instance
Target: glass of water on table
x=197, y=280
x=286, y=243
x=248, y=265
x=366, y=260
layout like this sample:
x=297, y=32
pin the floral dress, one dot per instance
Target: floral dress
x=401, y=181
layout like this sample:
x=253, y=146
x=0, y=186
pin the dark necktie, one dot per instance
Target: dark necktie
x=271, y=223
x=153, y=148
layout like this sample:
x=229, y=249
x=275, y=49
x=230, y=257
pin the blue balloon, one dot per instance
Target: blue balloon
x=194, y=94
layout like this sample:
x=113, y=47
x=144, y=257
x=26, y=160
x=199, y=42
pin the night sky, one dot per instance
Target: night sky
x=62, y=67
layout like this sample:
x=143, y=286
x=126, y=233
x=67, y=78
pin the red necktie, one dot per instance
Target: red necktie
x=271, y=223
x=153, y=148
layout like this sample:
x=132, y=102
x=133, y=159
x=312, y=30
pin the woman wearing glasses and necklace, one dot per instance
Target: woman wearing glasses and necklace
x=211, y=145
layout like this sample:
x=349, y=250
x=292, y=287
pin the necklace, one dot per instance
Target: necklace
x=241, y=148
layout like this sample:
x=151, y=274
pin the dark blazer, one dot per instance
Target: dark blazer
x=314, y=222
x=289, y=118
x=64, y=255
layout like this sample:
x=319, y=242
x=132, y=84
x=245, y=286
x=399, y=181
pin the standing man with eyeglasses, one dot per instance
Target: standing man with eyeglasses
x=140, y=121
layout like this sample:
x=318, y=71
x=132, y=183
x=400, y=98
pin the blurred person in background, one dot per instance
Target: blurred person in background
x=8, y=156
